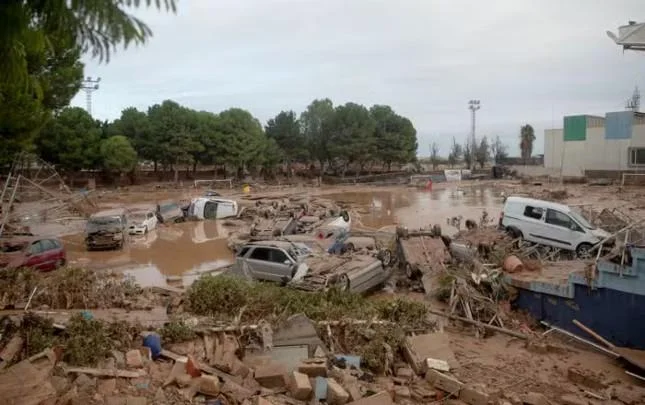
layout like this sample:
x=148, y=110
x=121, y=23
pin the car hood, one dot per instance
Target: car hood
x=600, y=233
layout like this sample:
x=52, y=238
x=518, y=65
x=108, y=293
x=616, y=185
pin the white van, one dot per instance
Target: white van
x=551, y=224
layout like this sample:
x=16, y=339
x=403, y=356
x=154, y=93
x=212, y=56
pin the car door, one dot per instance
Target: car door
x=36, y=257
x=264, y=266
x=49, y=254
x=281, y=264
x=559, y=226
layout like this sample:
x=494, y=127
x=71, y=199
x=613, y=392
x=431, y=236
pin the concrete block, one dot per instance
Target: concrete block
x=474, y=395
x=405, y=372
x=300, y=386
x=354, y=392
x=402, y=394
x=271, y=375
x=444, y=382
x=336, y=394
x=209, y=385
x=314, y=368
x=133, y=359
x=381, y=398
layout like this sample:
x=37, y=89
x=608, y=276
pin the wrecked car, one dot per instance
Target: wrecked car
x=295, y=264
x=38, y=253
x=106, y=229
x=142, y=219
x=211, y=208
x=169, y=211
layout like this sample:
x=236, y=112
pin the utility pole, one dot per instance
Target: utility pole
x=473, y=106
x=90, y=85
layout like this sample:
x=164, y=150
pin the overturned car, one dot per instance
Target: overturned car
x=296, y=265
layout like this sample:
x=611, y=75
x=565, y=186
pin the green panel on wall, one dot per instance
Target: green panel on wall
x=575, y=128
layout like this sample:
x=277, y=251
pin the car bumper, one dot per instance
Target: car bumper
x=137, y=231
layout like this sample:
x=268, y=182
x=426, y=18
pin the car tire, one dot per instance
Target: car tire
x=409, y=271
x=60, y=263
x=583, y=250
x=343, y=283
x=350, y=247
x=145, y=230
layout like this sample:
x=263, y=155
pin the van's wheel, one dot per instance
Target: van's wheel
x=385, y=256
x=583, y=251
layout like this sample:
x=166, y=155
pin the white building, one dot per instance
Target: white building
x=596, y=146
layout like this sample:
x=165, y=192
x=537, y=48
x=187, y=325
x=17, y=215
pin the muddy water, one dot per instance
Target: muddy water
x=180, y=249
x=179, y=253
x=418, y=208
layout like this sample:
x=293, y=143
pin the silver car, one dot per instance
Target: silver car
x=294, y=264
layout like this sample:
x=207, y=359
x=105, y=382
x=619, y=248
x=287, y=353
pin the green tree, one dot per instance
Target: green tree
x=482, y=154
x=136, y=126
x=287, y=133
x=118, y=155
x=498, y=150
x=70, y=140
x=395, y=136
x=96, y=27
x=316, y=127
x=352, y=137
x=243, y=139
x=527, y=137
x=24, y=113
x=467, y=154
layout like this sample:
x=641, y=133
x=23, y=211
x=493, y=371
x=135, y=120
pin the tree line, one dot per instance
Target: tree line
x=169, y=136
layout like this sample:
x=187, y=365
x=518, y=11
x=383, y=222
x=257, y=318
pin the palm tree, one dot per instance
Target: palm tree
x=527, y=137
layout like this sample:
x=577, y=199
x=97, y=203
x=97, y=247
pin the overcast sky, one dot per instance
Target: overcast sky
x=528, y=61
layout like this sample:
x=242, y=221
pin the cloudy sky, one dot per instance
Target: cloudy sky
x=528, y=61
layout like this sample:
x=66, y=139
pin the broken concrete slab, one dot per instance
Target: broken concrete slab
x=106, y=386
x=535, y=398
x=336, y=394
x=298, y=330
x=474, y=394
x=444, y=382
x=290, y=356
x=209, y=385
x=432, y=345
x=300, y=386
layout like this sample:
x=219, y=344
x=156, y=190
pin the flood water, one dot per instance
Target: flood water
x=179, y=253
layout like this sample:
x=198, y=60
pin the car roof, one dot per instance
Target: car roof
x=271, y=243
x=27, y=239
x=534, y=201
x=109, y=212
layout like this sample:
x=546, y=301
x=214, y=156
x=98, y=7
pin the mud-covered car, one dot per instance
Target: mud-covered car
x=295, y=265
x=106, y=230
x=169, y=212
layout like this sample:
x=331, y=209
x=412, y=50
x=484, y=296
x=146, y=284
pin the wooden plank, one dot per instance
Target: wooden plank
x=100, y=372
x=594, y=334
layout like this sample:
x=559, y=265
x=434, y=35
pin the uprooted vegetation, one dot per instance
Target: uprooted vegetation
x=84, y=341
x=227, y=298
x=67, y=288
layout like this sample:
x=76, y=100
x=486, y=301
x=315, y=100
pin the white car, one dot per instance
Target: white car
x=212, y=208
x=142, y=221
x=550, y=224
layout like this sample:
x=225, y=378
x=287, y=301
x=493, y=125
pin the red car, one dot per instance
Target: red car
x=38, y=253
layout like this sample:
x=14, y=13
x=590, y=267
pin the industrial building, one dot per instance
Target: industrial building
x=595, y=146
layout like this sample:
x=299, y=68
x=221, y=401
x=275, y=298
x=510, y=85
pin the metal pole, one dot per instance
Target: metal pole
x=90, y=85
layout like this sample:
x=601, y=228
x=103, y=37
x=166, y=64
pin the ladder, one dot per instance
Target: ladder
x=7, y=197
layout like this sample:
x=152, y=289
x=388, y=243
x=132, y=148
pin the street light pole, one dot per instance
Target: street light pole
x=473, y=106
x=90, y=85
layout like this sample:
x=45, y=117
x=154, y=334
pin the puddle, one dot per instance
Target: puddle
x=189, y=249
x=417, y=208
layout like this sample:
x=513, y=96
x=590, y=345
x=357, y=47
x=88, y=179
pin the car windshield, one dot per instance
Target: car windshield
x=581, y=220
x=105, y=221
x=168, y=207
x=139, y=216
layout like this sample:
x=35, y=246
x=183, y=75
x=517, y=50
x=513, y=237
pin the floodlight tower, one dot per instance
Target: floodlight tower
x=473, y=106
x=90, y=85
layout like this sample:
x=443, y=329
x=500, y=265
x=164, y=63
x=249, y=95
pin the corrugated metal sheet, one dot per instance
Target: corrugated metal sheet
x=618, y=125
x=575, y=128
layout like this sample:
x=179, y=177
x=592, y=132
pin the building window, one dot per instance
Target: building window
x=637, y=156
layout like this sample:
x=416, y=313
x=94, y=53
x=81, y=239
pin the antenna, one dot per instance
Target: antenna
x=90, y=85
x=634, y=103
